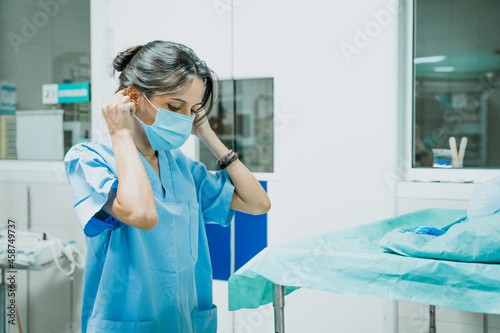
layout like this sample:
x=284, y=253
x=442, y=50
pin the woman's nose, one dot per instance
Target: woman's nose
x=186, y=112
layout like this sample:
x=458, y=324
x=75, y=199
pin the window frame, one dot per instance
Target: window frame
x=406, y=168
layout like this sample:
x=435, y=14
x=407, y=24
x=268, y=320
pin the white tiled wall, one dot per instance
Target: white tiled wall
x=414, y=317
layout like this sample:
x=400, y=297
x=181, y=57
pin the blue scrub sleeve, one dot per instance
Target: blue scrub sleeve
x=91, y=180
x=215, y=193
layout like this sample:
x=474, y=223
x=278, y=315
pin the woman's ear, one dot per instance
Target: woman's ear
x=134, y=95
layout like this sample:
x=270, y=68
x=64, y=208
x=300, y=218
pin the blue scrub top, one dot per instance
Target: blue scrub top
x=157, y=280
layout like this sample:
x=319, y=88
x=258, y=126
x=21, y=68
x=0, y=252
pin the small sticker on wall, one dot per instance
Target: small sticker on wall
x=49, y=92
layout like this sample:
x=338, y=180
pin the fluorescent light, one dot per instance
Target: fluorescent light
x=444, y=69
x=428, y=60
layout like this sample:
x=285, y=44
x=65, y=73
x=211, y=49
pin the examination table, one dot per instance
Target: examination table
x=351, y=261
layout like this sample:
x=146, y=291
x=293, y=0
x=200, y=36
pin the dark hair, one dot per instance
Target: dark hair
x=161, y=67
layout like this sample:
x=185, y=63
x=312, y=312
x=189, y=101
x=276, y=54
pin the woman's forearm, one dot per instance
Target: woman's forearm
x=250, y=196
x=135, y=201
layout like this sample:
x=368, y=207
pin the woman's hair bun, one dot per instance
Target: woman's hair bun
x=123, y=58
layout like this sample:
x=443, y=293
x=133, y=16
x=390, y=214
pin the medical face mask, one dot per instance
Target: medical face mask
x=169, y=131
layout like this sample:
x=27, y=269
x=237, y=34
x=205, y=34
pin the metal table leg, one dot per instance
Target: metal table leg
x=432, y=319
x=279, y=308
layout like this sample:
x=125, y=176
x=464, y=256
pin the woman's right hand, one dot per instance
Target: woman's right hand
x=133, y=200
x=118, y=112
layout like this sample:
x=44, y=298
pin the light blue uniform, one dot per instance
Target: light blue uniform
x=159, y=280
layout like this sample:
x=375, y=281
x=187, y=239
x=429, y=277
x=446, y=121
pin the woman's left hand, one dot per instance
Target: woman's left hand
x=201, y=126
x=249, y=195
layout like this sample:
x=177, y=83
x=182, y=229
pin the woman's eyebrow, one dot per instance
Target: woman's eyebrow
x=183, y=101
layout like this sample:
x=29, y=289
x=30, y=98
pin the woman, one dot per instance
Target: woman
x=143, y=204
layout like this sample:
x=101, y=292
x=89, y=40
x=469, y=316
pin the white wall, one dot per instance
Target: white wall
x=336, y=124
x=333, y=155
x=340, y=141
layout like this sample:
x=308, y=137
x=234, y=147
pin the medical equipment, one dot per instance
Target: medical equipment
x=32, y=251
x=169, y=131
x=351, y=261
x=442, y=158
x=453, y=149
x=37, y=249
x=30, y=248
x=461, y=153
x=457, y=156
x=71, y=252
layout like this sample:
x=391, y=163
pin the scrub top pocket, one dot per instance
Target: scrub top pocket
x=111, y=326
x=194, y=208
x=205, y=321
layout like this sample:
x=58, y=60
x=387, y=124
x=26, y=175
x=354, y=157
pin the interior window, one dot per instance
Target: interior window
x=243, y=120
x=456, y=80
x=44, y=78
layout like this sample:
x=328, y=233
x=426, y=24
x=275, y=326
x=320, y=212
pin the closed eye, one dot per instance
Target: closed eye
x=173, y=108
